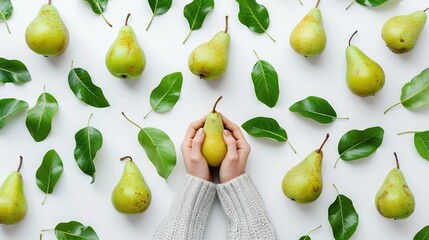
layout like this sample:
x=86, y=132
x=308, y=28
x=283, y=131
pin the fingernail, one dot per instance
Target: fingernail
x=200, y=131
x=226, y=132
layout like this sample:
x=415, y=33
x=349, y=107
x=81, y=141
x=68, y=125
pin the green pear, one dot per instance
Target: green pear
x=303, y=183
x=131, y=194
x=125, y=58
x=210, y=60
x=394, y=199
x=401, y=32
x=214, y=147
x=13, y=205
x=308, y=38
x=364, y=76
x=47, y=34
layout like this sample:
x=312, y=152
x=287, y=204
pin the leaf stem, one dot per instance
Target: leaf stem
x=397, y=161
x=270, y=36
x=256, y=55
x=394, y=105
x=126, y=157
x=129, y=120
x=126, y=20
x=336, y=189
x=89, y=119
x=317, y=4
x=20, y=163
x=7, y=25
x=150, y=22
x=343, y=118
x=45, y=230
x=44, y=199
x=348, y=6
x=335, y=165
x=108, y=23
x=401, y=133
x=300, y=2
x=314, y=229
x=217, y=101
x=186, y=39
x=72, y=64
x=151, y=110
x=350, y=39
x=226, y=24
x=323, y=143
x=290, y=144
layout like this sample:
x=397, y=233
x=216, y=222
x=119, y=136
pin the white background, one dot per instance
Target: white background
x=75, y=199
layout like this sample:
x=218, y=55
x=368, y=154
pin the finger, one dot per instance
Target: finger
x=197, y=142
x=234, y=128
x=231, y=144
x=192, y=129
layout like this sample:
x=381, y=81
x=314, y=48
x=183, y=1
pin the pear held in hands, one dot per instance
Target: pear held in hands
x=13, y=204
x=308, y=38
x=47, y=34
x=214, y=147
x=395, y=199
x=125, y=58
x=210, y=60
x=303, y=183
x=132, y=194
x=401, y=32
x=364, y=76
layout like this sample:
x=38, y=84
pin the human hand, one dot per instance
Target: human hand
x=195, y=163
x=234, y=163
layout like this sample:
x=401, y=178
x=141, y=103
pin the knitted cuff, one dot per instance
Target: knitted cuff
x=245, y=209
x=188, y=214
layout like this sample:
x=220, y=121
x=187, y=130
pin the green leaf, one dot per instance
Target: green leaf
x=307, y=237
x=158, y=147
x=196, y=12
x=371, y=3
x=315, y=108
x=10, y=107
x=343, y=217
x=158, y=7
x=265, y=127
x=49, y=172
x=98, y=7
x=13, y=71
x=6, y=10
x=81, y=84
x=421, y=142
x=88, y=141
x=167, y=93
x=415, y=94
x=74, y=231
x=423, y=234
x=255, y=16
x=266, y=82
x=356, y=144
x=39, y=118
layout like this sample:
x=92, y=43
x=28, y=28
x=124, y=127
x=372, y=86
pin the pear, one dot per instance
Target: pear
x=214, y=147
x=210, y=60
x=125, y=58
x=308, y=38
x=131, y=194
x=47, y=34
x=13, y=205
x=364, y=76
x=394, y=199
x=303, y=183
x=401, y=32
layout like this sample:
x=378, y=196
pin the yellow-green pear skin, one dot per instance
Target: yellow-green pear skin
x=214, y=147
x=13, y=204
x=308, y=38
x=131, y=195
x=47, y=34
x=394, y=199
x=303, y=183
x=209, y=60
x=125, y=58
x=401, y=32
x=364, y=76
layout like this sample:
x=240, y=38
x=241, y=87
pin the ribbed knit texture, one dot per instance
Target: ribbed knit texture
x=188, y=213
x=245, y=209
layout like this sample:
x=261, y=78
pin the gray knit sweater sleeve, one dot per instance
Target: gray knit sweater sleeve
x=188, y=213
x=245, y=209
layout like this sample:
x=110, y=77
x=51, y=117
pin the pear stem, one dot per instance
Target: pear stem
x=317, y=4
x=129, y=120
x=293, y=149
x=4, y=19
x=150, y=22
x=151, y=110
x=401, y=133
x=323, y=143
x=189, y=34
x=348, y=6
x=89, y=119
x=108, y=23
x=270, y=36
x=314, y=230
x=301, y=2
x=126, y=20
x=425, y=9
x=49, y=2
x=214, y=106
x=20, y=163
x=125, y=158
x=350, y=39
x=226, y=24
x=392, y=107
x=397, y=161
